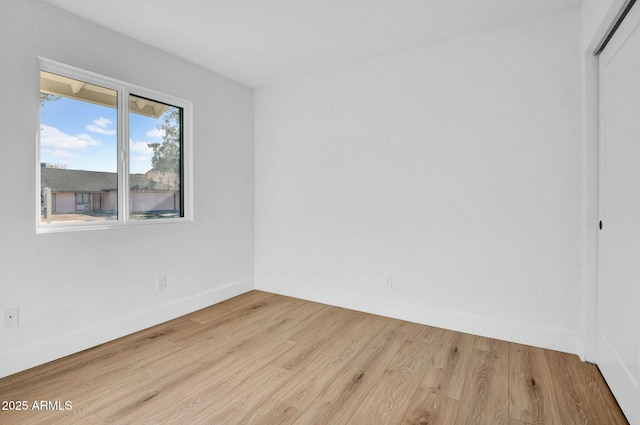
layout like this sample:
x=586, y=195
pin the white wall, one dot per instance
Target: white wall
x=75, y=290
x=455, y=167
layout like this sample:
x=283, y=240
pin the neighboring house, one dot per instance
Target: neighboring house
x=75, y=191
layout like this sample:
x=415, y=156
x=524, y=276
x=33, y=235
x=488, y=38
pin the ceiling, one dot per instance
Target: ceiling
x=261, y=42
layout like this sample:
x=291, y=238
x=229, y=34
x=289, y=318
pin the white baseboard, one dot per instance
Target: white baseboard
x=26, y=357
x=521, y=333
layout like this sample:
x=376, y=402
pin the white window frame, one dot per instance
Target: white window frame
x=123, y=89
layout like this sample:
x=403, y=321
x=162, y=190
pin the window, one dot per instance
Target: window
x=83, y=202
x=99, y=136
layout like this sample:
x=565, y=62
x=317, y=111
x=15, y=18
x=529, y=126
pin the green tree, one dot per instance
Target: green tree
x=45, y=97
x=166, y=155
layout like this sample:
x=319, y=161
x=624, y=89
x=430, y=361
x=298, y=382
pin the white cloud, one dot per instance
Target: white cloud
x=101, y=126
x=102, y=122
x=95, y=129
x=140, y=147
x=51, y=137
x=156, y=132
x=141, y=161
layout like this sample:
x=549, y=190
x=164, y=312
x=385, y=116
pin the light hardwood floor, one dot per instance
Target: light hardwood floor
x=272, y=360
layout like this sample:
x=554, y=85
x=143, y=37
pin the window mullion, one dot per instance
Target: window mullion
x=123, y=156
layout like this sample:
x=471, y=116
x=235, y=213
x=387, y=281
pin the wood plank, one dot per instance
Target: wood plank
x=242, y=400
x=579, y=389
x=242, y=321
x=80, y=363
x=271, y=411
x=450, y=361
x=316, y=335
x=485, y=396
x=84, y=386
x=517, y=422
x=532, y=396
x=167, y=364
x=427, y=408
x=394, y=390
x=605, y=399
x=231, y=306
x=326, y=320
x=489, y=344
x=205, y=356
x=203, y=379
x=312, y=380
x=421, y=342
x=447, y=354
x=343, y=396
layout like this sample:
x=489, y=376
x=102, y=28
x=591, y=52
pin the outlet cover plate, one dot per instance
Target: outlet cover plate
x=161, y=283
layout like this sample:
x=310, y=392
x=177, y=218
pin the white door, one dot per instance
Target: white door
x=618, y=345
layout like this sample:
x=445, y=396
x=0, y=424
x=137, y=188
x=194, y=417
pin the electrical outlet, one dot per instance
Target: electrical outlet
x=388, y=281
x=10, y=317
x=161, y=282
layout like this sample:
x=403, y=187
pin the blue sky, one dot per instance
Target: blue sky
x=83, y=136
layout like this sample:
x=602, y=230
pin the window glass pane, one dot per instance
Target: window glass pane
x=155, y=159
x=78, y=150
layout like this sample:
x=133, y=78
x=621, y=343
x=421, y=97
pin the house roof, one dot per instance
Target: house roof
x=62, y=180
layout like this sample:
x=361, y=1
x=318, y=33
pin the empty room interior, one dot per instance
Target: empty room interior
x=306, y=212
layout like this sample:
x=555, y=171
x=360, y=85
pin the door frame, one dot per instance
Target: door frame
x=591, y=182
